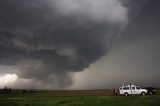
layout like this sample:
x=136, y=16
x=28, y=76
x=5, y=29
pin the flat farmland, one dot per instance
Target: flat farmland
x=75, y=93
x=76, y=98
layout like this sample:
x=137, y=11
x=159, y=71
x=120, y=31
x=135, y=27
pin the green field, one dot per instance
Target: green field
x=75, y=98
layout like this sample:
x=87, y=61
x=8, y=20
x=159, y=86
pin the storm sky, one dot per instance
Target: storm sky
x=79, y=44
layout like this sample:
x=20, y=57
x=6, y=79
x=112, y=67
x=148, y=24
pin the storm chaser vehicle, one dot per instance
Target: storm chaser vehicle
x=132, y=90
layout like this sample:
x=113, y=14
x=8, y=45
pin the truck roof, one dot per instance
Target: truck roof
x=129, y=85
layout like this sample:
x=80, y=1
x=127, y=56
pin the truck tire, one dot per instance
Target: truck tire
x=143, y=93
x=126, y=94
x=150, y=93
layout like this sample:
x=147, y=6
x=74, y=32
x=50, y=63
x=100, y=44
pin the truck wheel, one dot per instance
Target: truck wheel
x=125, y=94
x=143, y=93
x=150, y=93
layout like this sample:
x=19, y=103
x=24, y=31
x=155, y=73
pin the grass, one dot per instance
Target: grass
x=50, y=99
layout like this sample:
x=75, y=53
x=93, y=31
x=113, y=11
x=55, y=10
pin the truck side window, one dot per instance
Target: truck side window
x=125, y=88
x=133, y=88
x=138, y=88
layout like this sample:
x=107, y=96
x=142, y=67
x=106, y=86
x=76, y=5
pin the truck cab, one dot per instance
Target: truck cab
x=132, y=90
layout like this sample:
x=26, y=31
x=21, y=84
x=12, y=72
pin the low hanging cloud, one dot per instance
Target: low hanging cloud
x=45, y=40
x=135, y=63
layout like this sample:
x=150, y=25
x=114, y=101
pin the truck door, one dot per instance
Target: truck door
x=133, y=90
x=138, y=90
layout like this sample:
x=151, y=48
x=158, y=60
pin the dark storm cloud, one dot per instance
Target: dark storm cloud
x=145, y=24
x=135, y=58
x=46, y=39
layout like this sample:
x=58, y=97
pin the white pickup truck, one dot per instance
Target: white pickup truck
x=132, y=90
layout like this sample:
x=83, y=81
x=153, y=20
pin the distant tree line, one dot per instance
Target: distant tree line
x=10, y=90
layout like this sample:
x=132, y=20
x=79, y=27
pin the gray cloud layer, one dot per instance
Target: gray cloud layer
x=134, y=58
x=46, y=40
